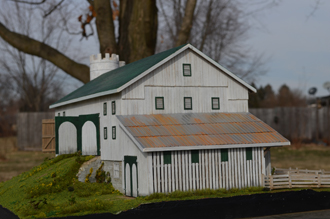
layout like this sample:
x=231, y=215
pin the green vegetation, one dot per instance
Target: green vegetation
x=52, y=190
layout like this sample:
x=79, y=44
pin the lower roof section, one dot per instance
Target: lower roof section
x=196, y=131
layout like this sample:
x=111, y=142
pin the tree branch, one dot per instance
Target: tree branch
x=42, y=50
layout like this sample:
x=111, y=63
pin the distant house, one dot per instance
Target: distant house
x=176, y=120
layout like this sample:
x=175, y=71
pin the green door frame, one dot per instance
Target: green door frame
x=130, y=160
x=78, y=122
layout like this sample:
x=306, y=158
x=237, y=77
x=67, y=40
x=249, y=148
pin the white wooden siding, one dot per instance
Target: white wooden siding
x=209, y=173
x=67, y=138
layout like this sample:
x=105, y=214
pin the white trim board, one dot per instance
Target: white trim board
x=205, y=147
x=150, y=70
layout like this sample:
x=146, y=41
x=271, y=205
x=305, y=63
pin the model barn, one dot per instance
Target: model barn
x=176, y=120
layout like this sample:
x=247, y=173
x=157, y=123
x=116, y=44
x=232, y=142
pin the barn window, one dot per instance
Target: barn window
x=105, y=133
x=187, y=70
x=63, y=113
x=248, y=153
x=224, y=155
x=105, y=109
x=113, y=132
x=167, y=157
x=215, y=103
x=159, y=101
x=187, y=103
x=59, y=114
x=194, y=156
x=113, y=107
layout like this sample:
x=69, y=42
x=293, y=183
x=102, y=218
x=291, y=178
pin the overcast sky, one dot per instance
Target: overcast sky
x=299, y=47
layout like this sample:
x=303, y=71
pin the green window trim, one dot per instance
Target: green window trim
x=113, y=132
x=159, y=105
x=215, y=101
x=185, y=104
x=224, y=155
x=188, y=68
x=105, y=109
x=167, y=157
x=105, y=133
x=195, y=156
x=248, y=153
x=113, y=107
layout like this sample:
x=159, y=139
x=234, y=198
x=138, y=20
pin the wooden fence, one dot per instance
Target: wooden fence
x=48, y=135
x=297, y=122
x=297, y=178
x=29, y=130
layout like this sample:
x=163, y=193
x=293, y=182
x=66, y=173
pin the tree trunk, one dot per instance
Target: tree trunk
x=105, y=26
x=138, y=29
x=187, y=22
x=42, y=50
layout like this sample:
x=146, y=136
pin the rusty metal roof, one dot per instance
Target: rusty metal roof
x=200, y=129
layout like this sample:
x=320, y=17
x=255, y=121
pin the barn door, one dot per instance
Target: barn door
x=131, y=176
x=48, y=135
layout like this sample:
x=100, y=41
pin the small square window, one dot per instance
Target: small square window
x=113, y=132
x=105, y=133
x=167, y=157
x=215, y=103
x=194, y=156
x=159, y=101
x=113, y=107
x=105, y=109
x=248, y=153
x=186, y=70
x=63, y=113
x=187, y=103
x=224, y=155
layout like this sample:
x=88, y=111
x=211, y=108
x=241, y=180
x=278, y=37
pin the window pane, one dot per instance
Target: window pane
x=105, y=134
x=224, y=155
x=248, y=153
x=194, y=156
x=215, y=103
x=187, y=103
x=186, y=70
x=159, y=102
x=113, y=106
x=104, y=109
x=113, y=132
x=167, y=157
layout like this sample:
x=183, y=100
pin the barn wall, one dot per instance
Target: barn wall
x=209, y=173
x=168, y=81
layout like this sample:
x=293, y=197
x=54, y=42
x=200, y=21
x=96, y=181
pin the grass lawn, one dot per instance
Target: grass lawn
x=313, y=157
x=13, y=162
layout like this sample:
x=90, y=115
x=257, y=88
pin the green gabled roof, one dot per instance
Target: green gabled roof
x=114, y=79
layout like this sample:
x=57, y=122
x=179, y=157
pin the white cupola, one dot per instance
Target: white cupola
x=99, y=66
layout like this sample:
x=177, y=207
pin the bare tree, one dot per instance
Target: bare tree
x=219, y=29
x=30, y=80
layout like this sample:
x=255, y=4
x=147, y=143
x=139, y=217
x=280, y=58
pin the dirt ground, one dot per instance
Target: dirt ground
x=14, y=162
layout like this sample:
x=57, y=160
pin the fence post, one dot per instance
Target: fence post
x=290, y=184
x=271, y=181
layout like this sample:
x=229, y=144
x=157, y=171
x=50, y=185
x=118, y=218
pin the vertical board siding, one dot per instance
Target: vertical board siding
x=210, y=173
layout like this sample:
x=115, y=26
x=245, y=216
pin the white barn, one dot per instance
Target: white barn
x=176, y=120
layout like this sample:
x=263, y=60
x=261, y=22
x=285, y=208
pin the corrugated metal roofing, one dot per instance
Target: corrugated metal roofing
x=199, y=129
